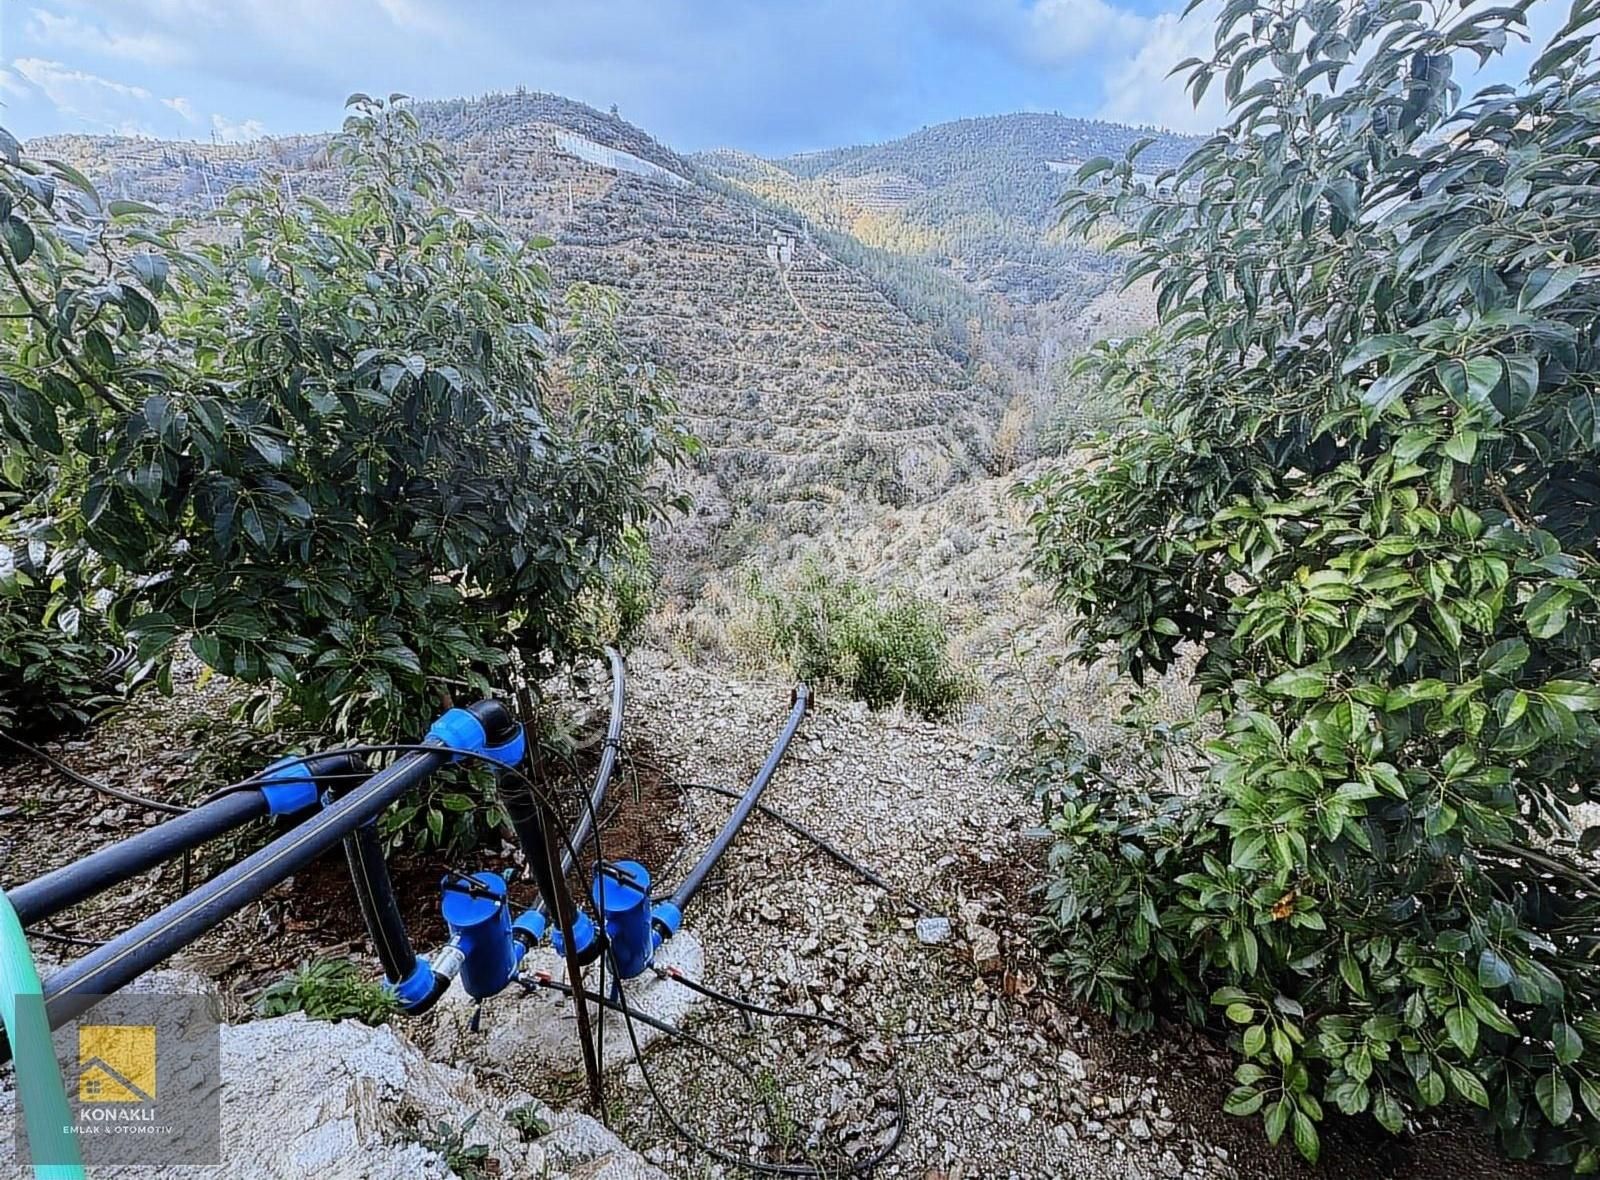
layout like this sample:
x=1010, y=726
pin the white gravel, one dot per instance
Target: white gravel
x=992, y=1091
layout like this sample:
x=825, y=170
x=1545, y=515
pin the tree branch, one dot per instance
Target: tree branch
x=36, y=313
x=1559, y=868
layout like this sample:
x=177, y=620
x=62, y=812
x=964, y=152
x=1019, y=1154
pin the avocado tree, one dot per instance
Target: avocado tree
x=1357, y=501
x=339, y=448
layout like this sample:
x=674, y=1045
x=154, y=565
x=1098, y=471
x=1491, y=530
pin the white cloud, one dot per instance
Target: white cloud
x=1056, y=32
x=241, y=132
x=100, y=103
x=69, y=33
x=415, y=16
x=1138, y=89
x=183, y=106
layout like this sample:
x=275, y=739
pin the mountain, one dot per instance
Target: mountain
x=975, y=200
x=811, y=389
x=846, y=327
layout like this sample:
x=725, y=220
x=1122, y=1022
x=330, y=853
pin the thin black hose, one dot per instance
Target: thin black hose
x=858, y=1168
x=84, y=780
x=608, y=755
x=799, y=829
x=691, y=884
x=622, y=1006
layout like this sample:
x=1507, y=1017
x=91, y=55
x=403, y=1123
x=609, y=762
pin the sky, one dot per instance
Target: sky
x=767, y=76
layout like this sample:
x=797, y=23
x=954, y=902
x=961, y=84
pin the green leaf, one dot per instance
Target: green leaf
x=18, y=235
x=1305, y=1137
x=1240, y=1013
x=1463, y=446
x=1277, y=1120
x=1462, y=1026
x=1547, y=285
x=1387, y=1110
x=1578, y=696
x=1372, y=348
x=1568, y=1044
x=1415, y=693
x=131, y=209
x=1493, y=971
x=1554, y=1097
x=1299, y=682
x=1589, y=1091
x=152, y=270
x=1243, y=1101
x=1504, y=657
x=1466, y=1084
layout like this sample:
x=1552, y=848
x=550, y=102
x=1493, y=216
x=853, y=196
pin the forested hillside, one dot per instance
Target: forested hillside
x=975, y=198
x=807, y=384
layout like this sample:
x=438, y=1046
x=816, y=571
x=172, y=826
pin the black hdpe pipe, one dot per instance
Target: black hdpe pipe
x=380, y=911
x=608, y=762
x=72, y=991
x=747, y=803
x=48, y=895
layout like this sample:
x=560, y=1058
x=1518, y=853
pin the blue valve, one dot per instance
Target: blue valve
x=478, y=914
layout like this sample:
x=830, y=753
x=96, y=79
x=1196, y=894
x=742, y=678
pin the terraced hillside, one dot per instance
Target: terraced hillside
x=975, y=198
x=809, y=387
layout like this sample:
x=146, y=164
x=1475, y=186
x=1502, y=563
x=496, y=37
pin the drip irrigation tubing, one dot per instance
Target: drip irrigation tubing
x=691, y=884
x=799, y=829
x=855, y=1168
x=93, y=784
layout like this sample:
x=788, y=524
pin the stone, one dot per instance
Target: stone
x=933, y=931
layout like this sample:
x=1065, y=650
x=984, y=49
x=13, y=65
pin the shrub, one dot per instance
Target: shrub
x=329, y=989
x=343, y=451
x=881, y=647
x=1361, y=493
x=59, y=662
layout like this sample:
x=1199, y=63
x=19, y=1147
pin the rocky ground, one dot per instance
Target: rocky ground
x=1001, y=1076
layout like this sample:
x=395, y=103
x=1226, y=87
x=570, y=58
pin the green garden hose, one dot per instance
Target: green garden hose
x=40, y=1090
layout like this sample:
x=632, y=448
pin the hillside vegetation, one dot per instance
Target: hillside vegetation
x=973, y=200
x=807, y=385
x=1357, y=507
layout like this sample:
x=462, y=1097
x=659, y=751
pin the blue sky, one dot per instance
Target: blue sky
x=771, y=76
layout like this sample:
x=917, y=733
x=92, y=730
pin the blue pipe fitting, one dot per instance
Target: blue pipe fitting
x=288, y=787
x=531, y=924
x=414, y=988
x=583, y=938
x=478, y=914
x=622, y=899
x=459, y=729
x=667, y=919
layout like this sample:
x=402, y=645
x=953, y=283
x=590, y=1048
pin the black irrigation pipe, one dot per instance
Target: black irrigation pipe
x=608, y=758
x=799, y=829
x=137, y=950
x=691, y=884
x=48, y=895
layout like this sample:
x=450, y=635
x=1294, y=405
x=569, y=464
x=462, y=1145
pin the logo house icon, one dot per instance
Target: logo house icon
x=116, y=1063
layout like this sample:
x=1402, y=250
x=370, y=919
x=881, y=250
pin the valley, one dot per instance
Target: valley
x=845, y=330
